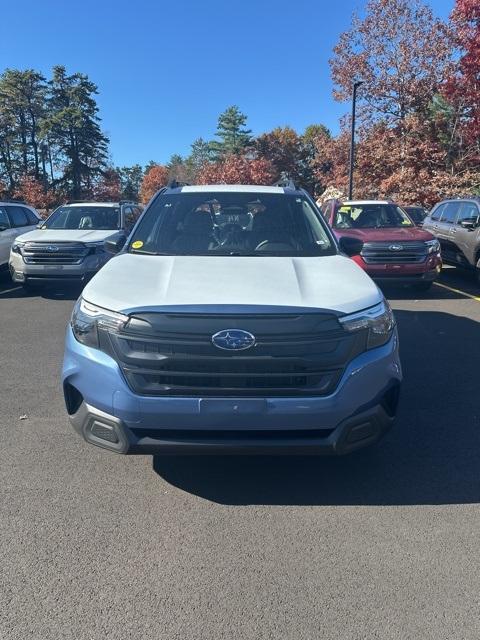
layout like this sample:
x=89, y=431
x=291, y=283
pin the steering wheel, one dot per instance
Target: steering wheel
x=275, y=245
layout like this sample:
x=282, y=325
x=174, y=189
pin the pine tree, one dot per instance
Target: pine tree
x=131, y=180
x=234, y=137
x=22, y=107
x=73, y=128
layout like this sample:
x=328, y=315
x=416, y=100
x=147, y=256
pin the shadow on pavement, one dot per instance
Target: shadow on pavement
x=431, y=456
x=461, y=279
x=9, y=290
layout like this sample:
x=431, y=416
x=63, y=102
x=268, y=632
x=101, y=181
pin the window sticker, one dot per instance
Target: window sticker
x=138, y=244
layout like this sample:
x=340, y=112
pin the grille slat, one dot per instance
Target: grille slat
x=381, y=252
x=54, y=252
x=174, y=356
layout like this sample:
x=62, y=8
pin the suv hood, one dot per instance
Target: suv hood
x=398, y=234
x=66, y=235
x=129, y=283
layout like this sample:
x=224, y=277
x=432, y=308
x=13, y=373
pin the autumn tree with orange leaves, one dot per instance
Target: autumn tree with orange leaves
x=34, y=193
x=154, y=179
x=235, y=169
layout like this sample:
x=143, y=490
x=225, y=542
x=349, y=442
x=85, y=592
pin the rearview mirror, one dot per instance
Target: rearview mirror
x=468, y=224
x=350, y=246
x=115, y=243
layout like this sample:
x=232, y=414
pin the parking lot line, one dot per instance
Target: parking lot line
x=463, y=293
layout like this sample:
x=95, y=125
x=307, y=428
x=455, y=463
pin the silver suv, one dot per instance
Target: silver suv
x=240, y=326
x=68, y=246
x=455, y=223
x=15, y=219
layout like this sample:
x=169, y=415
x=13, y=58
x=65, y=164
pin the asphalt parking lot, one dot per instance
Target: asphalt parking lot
x=384, y=544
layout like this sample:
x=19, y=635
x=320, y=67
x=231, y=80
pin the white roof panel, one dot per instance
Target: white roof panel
x=234, y=188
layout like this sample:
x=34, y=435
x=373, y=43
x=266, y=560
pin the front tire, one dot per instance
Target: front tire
x=476, y=275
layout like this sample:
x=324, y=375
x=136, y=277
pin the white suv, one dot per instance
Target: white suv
x=15, y=218
x=69, y=244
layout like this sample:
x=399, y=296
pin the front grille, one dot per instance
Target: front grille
x=384, y=253
x=173, y=355
x=54, y=252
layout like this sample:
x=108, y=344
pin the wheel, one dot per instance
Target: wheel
x=423, y=286
x=477, y=274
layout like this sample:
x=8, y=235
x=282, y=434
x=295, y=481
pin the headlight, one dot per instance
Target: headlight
x=17, y=247
x=87, y=319
x=433, y=246
x=379, y=321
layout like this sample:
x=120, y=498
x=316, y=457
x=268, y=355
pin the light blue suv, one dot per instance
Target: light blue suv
x=231, y=321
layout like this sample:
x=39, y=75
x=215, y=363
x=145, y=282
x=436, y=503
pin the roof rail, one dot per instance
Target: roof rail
x=286, y=183
x=175, y=184
x=126, y=202
x=19, y=200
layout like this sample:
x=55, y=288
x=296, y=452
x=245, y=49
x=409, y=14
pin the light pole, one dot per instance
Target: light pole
x=352, y=138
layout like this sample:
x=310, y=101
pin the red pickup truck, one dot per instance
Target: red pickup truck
x=394, y=248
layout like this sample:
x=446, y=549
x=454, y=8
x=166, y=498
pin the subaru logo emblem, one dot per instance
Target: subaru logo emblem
x=395, y=247
x=233, y=339
x=52, y=247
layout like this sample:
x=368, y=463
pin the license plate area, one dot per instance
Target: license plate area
x=241, y=406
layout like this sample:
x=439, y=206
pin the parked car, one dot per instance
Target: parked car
x=232, y=321
x=69, y=244
x=416, y=213
x=15, y=219
x=394, y=249
x=455, y=222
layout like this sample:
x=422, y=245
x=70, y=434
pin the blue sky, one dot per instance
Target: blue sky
x=166, y=70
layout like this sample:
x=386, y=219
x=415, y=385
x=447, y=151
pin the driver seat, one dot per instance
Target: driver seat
x=269, y=225
x=86, y=223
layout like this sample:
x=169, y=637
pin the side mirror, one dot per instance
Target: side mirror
x=40, y=225
x=350, y=246
x=115, y=243
x=468, y=224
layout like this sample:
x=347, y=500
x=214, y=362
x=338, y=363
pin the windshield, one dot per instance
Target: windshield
x=370, y=216
x=231, y=223
x=88, y=217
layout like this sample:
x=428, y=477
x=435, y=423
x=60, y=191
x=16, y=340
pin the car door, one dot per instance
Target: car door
x=19, y=220
x=32, y=218
x=6, y=236
x=443, y=230
x=466, y=239
x=431, y=221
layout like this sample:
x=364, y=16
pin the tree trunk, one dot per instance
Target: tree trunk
x=23, y=137
x=34, y=142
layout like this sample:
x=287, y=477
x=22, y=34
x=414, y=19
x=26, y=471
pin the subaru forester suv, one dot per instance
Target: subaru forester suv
x=456, y=224
x=232, y=322
x=394, y=250
x=68, y=246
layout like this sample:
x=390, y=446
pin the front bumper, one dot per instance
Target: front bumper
x=106, y=413
x=405, y=273
x=24, y=273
